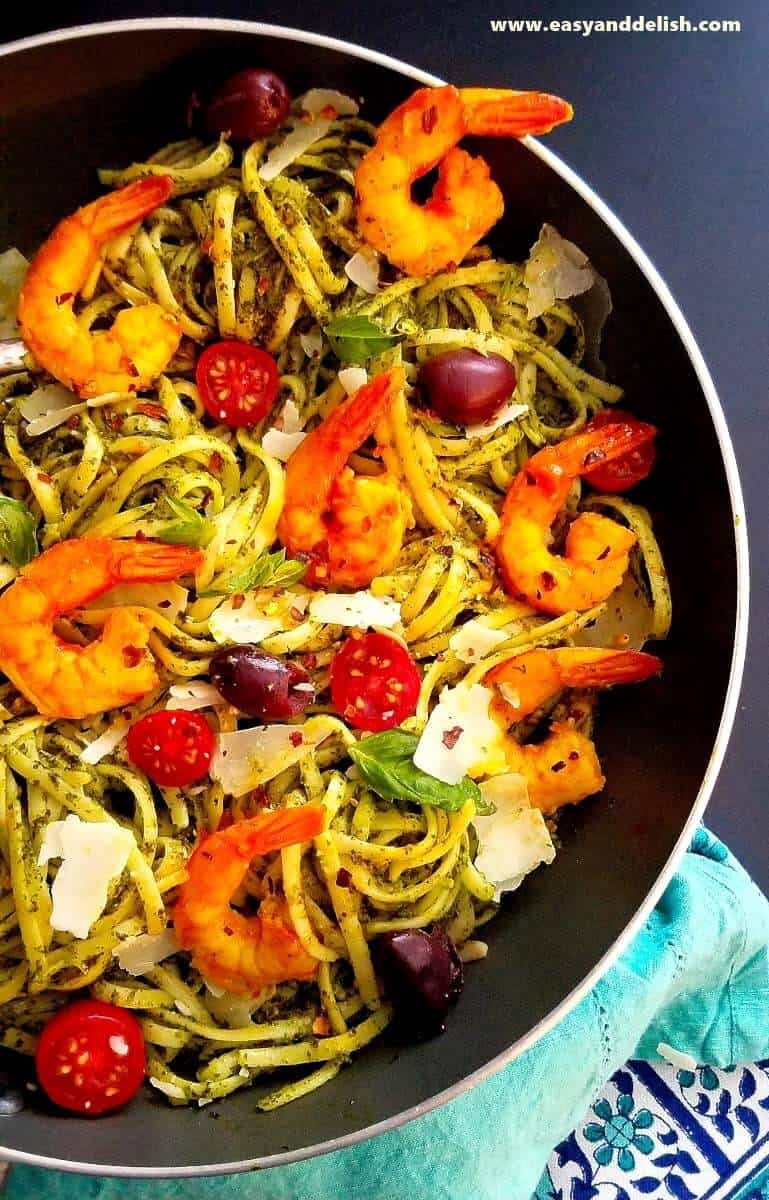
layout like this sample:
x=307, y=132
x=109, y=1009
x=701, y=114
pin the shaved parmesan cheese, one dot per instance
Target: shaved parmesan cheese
x=288, y=419
x=294, y=144
x=52, y=420
x=169, y=599
x=241, y=619
x=172, y=1090
x=136, y=955
x=44, y=400
x=281, y=445
x=473, y=951
x=460, y=738
x=234, y=1010
x=556, y=269
x=363, y=270
x=316, y=99
x=677, y=1058
x=514, y=840
x=103, y=745
x=312, y=343
x=191, y=696
x=92, y=854
x=13, y=268
x=352, y=378
x=355, y=609
x=510, y=412
x=250, y=757
x=474, y=640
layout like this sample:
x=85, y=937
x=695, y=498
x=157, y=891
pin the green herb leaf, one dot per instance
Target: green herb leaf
x=269, y=570
x=386, y=763
x=18, y=536
x=190, y=528
x=357, y=339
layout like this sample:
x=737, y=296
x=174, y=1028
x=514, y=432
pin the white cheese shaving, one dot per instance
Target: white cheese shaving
x=250, y=757
x=352, y=378
x=509, y=412
x=460, y=738
x=355, y=609
x=316, y=99
x=556, y=269
x=191, y=696
x=168, y=599
x=312, y=342
x=473, y=951
x=234, y=1010
x=514, y=840
x=677, y=1058
x=474, y=640
x=288, y=419
x=281, y=445
x=13, y=268
x=241, y=619
x=103, y=745
x=52, y=420
x=45, y=399
x=172, y=1090
x=136, y=955
x=294, y=144
x=363, y=270
x=92, y=854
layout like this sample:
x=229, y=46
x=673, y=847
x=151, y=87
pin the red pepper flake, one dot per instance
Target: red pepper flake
x=73, y=421
x=132, y=655
x=343, y=878
x=156, y=411
x=114, y=421
x=263, y=285
x=164, y=603
x=227, y=930
x=207, y=246
x=310, y=661
x=548, y=581
x=573, y=755
x=296, y=739
x=531, y=479
x=329, y=112
x=64, y=297
x=44, y=477
x=450, y=737
x=132, y=369
x=140, y=536
x=238, y=601
x=215, y=463
x=603, y=553
x=558, y=766
x=207, y=855
x=451, y=266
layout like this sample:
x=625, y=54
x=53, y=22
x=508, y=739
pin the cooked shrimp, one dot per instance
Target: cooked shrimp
x=141, y=341
x=422, y=133
x=597, y=549
x=239, y=953
x=564, y=768
x=351, y=526
x=66, y=680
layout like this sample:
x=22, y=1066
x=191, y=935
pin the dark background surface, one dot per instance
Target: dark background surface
x=672, y=130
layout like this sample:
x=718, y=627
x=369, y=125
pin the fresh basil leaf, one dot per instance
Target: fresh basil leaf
x=18, y=532
x=386, y=763
x=190, y=528
x=269, y=570
x=357, y=339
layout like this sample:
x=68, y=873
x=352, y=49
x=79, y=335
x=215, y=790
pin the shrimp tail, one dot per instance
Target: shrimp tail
x=502, y=112
x=112, y=214
x=158, y=561
x=273, y=830
x=590, y=668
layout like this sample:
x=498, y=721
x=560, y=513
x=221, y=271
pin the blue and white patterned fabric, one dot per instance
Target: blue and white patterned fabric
x=661, y=1132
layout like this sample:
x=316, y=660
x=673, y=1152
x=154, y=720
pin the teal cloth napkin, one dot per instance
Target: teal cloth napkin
x=696, y=977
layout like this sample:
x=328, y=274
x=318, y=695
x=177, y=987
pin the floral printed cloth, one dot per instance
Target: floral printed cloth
x=696, y=977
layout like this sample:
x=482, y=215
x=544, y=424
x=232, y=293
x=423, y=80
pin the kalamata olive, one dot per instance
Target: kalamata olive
x=259, y=684
x=466, y=388
x=422, y=974
x=249, y=105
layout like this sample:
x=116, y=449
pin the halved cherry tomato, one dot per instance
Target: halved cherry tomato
x=374, y=682
x=238, y=382
x=90, y=1057
x=627, y=470
x=173, y=747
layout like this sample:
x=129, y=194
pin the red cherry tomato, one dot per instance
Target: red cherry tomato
x=90, y=1057
x=627, y=470
x=238, y=382
x=374, y=682
x=173, y=747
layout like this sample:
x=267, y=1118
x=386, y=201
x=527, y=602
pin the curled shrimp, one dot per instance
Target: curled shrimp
x=422, y=133
x=140, y=342
x=243, y=954
x=597, y=549
x=66, y=680
x=350, y=526
x=564, y=768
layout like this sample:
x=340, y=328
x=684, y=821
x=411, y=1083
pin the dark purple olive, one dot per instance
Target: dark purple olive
x=249, y=105
x=467, y=388
x=259, y=684
x=422, y=974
